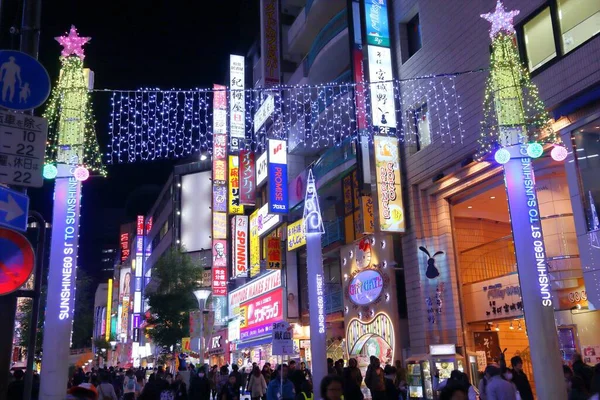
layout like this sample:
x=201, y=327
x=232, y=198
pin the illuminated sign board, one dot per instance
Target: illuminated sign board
x=254, y=245
x=254, y=288
x=278, y=184
x=263, y=113
x=239, y=235
x=237, y=103
x=247, y=178
x=378, y=32
x=219, y=225
x=295, y=235
x=219, y=198
x=259, y=314
x=261, y=169
x=124, y=247
x=269, y=23
x=365, y=287
x=234, y=187
x=266, y=221
x=219, y=268
x=274, y=253
x=220, y=134
x=108, y=309
x=320, y=302
x=389, y=190
x=383, y=109
x=140, y=225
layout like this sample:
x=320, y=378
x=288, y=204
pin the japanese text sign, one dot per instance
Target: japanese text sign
x=247, y=178
x=389, y=190
x=295, y=235
x=273, y=253
x=239, y=234
x=383, y=108
x=234, y=187
x=278, y=184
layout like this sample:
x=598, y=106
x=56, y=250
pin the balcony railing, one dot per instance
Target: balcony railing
x=334, y=232
x=329, y=31
x=333, y=157
x=334, y=300
x=488, y=260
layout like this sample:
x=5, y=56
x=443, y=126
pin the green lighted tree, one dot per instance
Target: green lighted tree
x=512, y=106
x=175, y=277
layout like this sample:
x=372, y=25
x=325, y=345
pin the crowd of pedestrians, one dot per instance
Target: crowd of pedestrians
x=294, y=381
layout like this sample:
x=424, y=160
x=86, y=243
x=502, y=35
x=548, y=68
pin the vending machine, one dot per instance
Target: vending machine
x=445, y=360
x=418, y=375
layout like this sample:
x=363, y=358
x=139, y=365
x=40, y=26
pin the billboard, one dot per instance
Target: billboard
x=264, y=112
x=219, y=225
x=254, y=245
x=239, y=235
x=247, y=178
x=383, y=108
x=254, y=288
x=195, y=220
x=234, y=187
x=124, y=283
x=219, y=268
x=273, y=253
x=278, y=184
x=269, y=36
x=376, y=18
x=125, y=251
x=237, y=104
x=261, y=169
x=219, y=198
x=295, y=235
x=220, y=134
x=259, y=314
x=389, y=190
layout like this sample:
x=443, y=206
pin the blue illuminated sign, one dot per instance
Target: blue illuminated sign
x=278, y=183
x=376, y=16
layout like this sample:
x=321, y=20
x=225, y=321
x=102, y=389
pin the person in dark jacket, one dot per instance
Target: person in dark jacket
x=306, y=391
x=578, y=391
x=16, y=387
x=519, y=378
x=200, y=386
x=595, y=386
x=296, y=376
x=582, y=370
x=352, y=380
x=238, y=377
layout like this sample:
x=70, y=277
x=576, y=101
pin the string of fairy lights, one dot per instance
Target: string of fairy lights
x=152, y=124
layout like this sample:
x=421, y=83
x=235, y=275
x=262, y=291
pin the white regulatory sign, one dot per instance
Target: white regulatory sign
x=22, y=148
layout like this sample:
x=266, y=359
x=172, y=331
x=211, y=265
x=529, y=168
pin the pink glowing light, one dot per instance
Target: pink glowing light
x=72, y=43
x=81, y=173
x=559, y=153
x=501, y=20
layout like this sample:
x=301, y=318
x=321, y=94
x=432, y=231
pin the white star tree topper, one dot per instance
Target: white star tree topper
x=501, y=20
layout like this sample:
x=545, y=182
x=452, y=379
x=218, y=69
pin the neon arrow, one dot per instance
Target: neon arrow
x=11, y=208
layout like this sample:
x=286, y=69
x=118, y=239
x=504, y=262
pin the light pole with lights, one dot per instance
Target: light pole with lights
x=201, y=296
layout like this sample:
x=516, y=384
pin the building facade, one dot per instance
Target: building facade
x=459, y=207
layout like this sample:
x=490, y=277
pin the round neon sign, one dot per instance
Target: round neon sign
x=365, y=287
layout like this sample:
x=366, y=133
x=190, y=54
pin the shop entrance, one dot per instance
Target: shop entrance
x=492, y=309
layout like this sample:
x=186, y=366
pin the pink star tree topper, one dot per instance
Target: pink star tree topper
x=502, y=20
x=72, y=43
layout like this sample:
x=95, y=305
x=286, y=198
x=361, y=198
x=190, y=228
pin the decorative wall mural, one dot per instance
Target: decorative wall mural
x=432, y=271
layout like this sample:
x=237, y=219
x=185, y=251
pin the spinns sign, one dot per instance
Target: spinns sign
x=278, y=184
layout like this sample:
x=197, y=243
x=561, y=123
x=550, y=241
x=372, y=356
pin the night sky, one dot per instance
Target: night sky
x=137, y=43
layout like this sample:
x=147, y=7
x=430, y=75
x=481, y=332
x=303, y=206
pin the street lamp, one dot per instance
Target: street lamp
x=201, y=296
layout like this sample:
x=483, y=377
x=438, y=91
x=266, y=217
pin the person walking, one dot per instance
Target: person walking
x=238, y=377
x=497, y=388
x=332, y=388
x=17, y=386
x=519, y=378
x=281, y=388
x=296, y=376
x=200, y=386
x=257, y=386
x=106, y=391
x=374, y=379
x=213, y=377
x=229, y=391
x=179, y=388
x=306, y=391
x=129, y=386
x=352, y=378
x=582, y=370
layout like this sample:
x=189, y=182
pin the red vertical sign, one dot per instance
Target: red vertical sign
x=247, y=178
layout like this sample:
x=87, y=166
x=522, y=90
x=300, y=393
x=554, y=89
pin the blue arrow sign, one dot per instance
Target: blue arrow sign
x=14, y=207
x=24, y=82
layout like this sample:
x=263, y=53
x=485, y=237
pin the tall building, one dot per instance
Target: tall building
x=473, y=307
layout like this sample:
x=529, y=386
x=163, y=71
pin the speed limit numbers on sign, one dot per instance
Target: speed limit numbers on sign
x=22, y=148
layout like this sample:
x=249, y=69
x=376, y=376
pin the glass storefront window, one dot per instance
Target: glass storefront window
x=579, y=20
x=587, y=151
x=539, y=40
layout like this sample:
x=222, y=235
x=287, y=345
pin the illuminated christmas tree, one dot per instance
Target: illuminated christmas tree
x=71, y=126
x=513, y=111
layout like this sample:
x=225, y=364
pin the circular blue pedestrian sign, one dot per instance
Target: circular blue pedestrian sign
x=24, y=82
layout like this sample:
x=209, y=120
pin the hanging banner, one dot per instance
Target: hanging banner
x=296, y=237
x=237, y=104
x=219, y=225
x=239, y=235
x=254, y=245
x=278, y=185
x=383, y=108
x=247, y=178
x=273, y=253
x=296, y=189
x=219, y=268
x=234, y=187
x=389, y=190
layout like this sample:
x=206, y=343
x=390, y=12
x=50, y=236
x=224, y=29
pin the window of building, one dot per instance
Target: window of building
x=413, y=35
x=557, y=29
x=587, y=156
x=579, y=21
x=539, y=40
x=421, y=121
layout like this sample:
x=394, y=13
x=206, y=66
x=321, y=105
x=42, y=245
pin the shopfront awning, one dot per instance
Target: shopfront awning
x=254, y=343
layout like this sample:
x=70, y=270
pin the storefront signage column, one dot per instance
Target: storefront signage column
x=313, y=227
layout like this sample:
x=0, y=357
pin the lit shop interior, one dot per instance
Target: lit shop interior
x=487, y=271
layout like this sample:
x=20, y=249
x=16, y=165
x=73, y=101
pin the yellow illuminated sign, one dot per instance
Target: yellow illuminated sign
x=254, y=245
x=234, y=186
x=389, y=190
x=108, y=309
x=295, y=235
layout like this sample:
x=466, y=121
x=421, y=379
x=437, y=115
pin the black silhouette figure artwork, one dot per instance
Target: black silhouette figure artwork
x=383, y=119
x=432, y=271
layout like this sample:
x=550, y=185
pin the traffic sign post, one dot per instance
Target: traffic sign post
x=16, y=260
x=22, y=149
x=14, y=207
x=24, y=82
